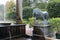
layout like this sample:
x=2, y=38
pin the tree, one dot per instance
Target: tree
x=27, y=10
x=26, y=3
x=54, y=9
x=11, y=9
x=10, y=5
x=41, y=5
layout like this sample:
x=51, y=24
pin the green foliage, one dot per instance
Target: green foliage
x=54, y=9
x=41, y=5
x=55, y=24
x=30, y=21
x=27, y=13
x=12, y=15
x=11, y=10
x=54, y=1
x=26, y=3
x=9, y=6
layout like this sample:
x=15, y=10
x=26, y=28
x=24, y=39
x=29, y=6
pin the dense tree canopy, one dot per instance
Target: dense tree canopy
x=11, y=9
x=26, y=3
x=54, y=9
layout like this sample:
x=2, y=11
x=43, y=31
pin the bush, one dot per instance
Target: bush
x=30, y=21
x=27, y=12
x=54, y=9
x=54, y=23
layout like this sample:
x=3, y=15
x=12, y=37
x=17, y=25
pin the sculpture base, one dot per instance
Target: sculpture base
x=41, y=29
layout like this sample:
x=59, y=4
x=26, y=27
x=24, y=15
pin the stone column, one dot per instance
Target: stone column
x=19, y=11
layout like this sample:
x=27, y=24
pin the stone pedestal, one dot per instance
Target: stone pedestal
x=41, y=31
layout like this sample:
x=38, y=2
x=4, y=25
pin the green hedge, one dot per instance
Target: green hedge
x=54, y=23
x=27, y=12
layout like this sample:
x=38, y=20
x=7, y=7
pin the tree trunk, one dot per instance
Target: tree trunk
x=18, y=11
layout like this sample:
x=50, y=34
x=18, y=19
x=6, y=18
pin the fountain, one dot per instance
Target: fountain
x=41, y=27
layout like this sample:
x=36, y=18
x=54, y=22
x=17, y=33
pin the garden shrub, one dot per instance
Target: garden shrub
x=54, y=9
x=30, y=21
x=54, y=23
x=27, y=12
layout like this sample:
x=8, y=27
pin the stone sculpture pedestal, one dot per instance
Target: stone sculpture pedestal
x=41, y=31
